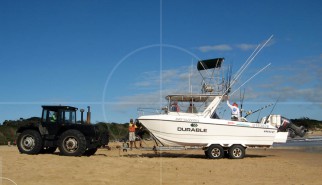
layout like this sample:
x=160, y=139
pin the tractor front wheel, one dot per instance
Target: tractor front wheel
x=29, y=142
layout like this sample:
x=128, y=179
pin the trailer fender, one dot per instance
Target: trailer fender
x=228, y=145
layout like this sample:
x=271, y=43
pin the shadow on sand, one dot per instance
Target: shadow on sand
x=195, y=156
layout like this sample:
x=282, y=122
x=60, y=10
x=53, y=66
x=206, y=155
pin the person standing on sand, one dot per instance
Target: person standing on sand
x=139, y=131
x=132, y=128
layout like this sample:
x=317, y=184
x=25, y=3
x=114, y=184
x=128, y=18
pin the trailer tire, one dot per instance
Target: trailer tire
x=226, y=154
x=236, y=152
x=215, y=152
x=206, y=154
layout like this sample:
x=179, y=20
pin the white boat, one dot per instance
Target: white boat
x=200, y=129
x=203, y=127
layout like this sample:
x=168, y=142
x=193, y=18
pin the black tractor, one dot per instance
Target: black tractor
x=58, y=127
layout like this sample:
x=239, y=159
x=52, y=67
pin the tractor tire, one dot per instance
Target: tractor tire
x=72, y=143
x=90, y=152
x=215, y=152
x=236, y=152
x=48, y=150
x=29, y=142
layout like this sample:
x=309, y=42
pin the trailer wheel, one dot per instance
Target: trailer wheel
x=236, y=152
x=29, y=142
x=215, y=152
x=72, y=143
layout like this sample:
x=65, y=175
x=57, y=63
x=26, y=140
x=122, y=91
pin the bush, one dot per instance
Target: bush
x=310, y=124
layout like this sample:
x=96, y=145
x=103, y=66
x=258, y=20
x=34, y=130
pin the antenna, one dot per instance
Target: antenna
x=190, y=72
x=189, y=85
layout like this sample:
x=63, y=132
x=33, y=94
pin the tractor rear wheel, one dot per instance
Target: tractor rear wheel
x=72, y=143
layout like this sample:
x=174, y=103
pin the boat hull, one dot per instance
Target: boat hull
x=197, y=131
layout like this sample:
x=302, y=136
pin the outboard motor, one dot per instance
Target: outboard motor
x=287, y=125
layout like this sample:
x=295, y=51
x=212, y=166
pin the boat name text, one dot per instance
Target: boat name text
x=181, y=129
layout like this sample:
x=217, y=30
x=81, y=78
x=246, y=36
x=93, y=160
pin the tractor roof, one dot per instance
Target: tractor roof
x=58, y=107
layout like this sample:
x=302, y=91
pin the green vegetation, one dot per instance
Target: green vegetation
x=8, y=129
x=308, y=123
x=7, y=133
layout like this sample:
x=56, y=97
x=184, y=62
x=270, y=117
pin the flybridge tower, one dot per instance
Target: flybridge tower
x=212, y=73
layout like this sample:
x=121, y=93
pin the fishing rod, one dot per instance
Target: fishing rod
x=251, y=78
x=241, y=102
x=258, y=116
x=272, y=110
x=250, y=60
x=246, y=64
x=252, y=112
x=242, y=69
x=228, y=80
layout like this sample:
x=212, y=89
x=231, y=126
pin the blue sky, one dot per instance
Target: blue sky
x=119, y=55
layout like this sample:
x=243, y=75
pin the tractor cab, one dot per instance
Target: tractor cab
x=58, y=115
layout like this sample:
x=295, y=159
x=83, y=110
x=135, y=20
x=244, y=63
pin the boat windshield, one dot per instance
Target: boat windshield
x=189, y=103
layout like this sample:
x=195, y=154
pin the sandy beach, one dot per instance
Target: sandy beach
x=260, y=166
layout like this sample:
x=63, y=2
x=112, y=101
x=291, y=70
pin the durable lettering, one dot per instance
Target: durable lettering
x=181, y=129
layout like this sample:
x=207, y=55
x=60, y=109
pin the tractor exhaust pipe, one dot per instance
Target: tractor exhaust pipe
x=88, y=121
x=82, y=116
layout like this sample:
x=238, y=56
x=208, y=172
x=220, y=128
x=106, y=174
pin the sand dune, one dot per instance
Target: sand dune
x=270, y=166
